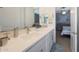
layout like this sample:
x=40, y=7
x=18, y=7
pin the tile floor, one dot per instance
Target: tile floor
x=62, y=44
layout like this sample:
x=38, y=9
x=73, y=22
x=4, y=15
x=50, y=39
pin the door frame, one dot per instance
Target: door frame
x=70, y=26
x=73, y=29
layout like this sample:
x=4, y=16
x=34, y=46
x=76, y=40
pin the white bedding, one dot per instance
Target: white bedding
x=66, y=30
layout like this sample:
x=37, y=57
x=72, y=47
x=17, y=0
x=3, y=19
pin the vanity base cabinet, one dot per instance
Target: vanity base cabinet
x=49, y=41
x=44, y=45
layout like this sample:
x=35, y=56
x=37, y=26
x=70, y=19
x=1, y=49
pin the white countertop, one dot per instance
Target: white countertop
x=24, y=40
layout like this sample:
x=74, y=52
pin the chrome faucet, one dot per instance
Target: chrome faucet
x=28, y=29
x=4, y=39
x=16, y=32
x=5, y=35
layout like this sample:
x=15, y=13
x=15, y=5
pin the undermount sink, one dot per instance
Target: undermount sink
x=3, y=39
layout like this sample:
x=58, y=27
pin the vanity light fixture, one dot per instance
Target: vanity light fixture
x=63, y=12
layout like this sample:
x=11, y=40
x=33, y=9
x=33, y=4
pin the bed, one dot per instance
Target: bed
x=66, y=30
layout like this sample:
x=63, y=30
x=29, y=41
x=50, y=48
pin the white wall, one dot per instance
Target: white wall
x=50, y=11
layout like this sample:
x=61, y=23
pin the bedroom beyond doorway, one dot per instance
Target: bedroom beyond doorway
x=63, y=28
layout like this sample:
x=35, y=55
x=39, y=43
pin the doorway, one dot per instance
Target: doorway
x=63, y=26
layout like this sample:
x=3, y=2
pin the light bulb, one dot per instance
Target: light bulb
x=63, y=12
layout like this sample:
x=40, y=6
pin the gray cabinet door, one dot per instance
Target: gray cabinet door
x=39, y=47
x=49, y=41
x=36, y=48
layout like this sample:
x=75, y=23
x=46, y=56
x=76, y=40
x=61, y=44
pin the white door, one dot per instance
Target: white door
x=74, y=29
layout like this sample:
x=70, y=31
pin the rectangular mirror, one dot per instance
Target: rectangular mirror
x=12, y=17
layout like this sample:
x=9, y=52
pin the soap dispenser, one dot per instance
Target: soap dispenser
x=46, y=20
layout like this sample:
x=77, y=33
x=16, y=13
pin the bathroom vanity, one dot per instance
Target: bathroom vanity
x=37, y=40
x=44, y=44
x=22, y=36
